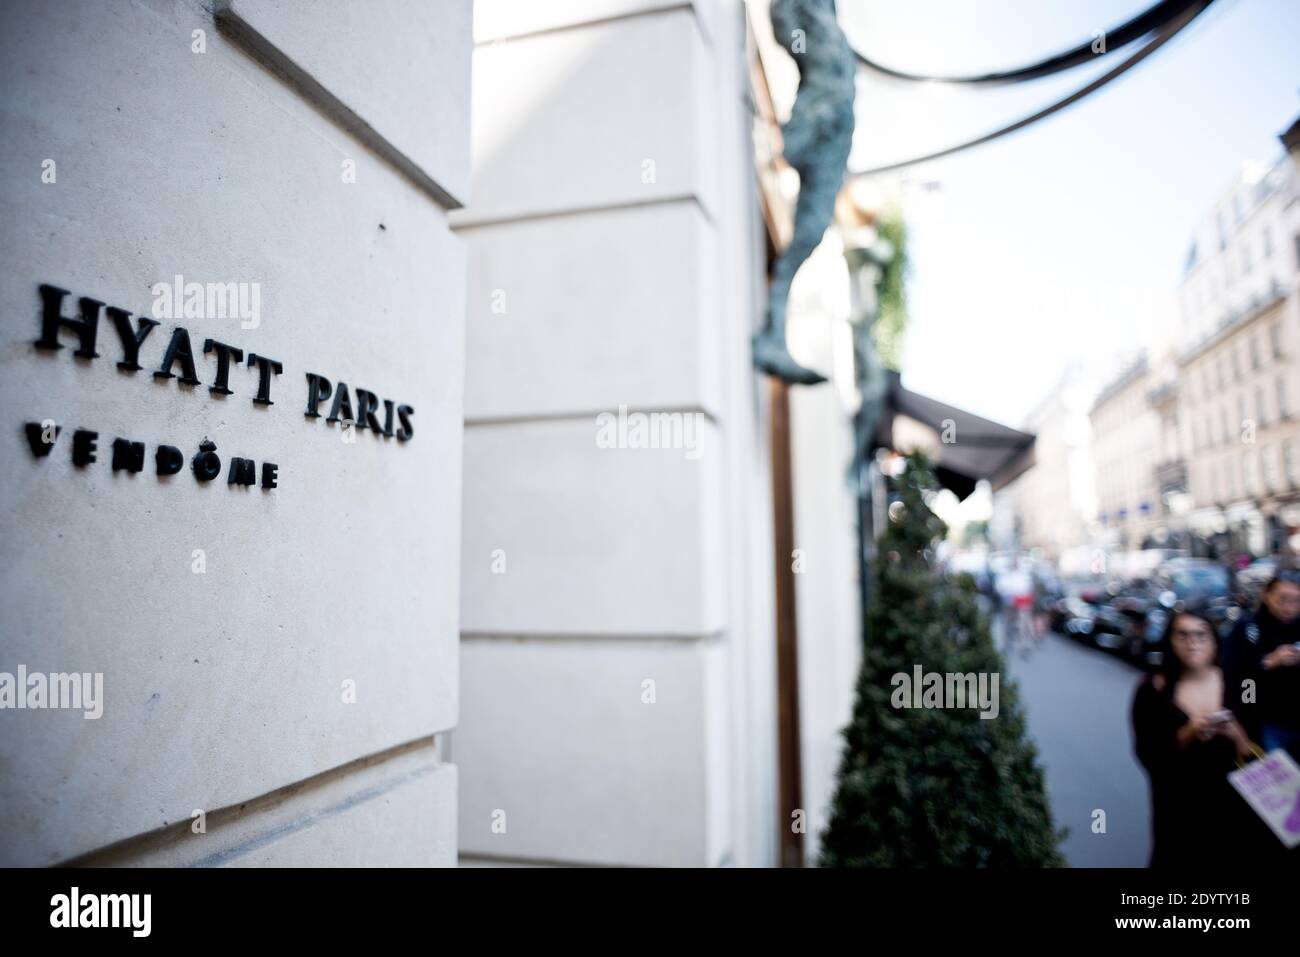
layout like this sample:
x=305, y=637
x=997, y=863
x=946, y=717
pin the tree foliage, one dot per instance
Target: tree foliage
x=891, y=323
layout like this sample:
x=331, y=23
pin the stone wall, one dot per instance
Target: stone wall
x=617, y=608
x=278, y=664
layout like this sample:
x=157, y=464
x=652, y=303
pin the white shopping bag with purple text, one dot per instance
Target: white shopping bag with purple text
x=1271, y=786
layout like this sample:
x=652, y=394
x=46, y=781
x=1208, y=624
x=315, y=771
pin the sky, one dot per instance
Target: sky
x=1064, y=242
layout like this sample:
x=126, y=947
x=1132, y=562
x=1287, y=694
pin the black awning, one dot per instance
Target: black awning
x=983, y=449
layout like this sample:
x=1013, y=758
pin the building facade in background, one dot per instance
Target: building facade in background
x=1242, y=253
x=1125, y=443
x=1239, y=372
x=1170, y=456
x=1198, y=448
x=1055, y=501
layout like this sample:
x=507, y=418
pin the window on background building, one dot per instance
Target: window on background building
x=1245, y=258
x=1269, y=463
x=1275, y=339
x=1236, y=366
x=1261, y=412
x=1283, y=411
x=1297, y=250
x=1254, y=352
x=1288, y=463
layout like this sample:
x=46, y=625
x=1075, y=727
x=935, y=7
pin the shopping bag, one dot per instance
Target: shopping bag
x=1271, y=786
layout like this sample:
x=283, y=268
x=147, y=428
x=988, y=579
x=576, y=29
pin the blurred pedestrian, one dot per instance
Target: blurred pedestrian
x=1262, y=662
x=1189, y=740
x=1015, y=588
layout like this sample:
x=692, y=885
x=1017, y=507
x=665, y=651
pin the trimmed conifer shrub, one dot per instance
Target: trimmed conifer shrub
x=932, y=786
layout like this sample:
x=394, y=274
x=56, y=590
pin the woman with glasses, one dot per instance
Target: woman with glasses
x=1189, y=740
x=1262, y=657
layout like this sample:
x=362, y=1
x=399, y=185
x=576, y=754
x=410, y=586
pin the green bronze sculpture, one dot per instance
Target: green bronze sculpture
x=816, y=139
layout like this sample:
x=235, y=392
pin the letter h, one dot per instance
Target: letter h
x=86, y=326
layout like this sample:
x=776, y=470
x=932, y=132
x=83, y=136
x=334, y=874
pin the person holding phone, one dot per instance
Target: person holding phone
x=1188, y=741
x=1262, y=662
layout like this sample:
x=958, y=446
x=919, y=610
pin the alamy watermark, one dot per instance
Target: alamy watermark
x=74, y=691
x=650, y=430
x=179, y=299
x=933, y=689
x=75, y=909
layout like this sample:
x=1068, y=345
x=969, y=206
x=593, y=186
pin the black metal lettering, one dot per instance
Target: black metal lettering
x=168, y=459
x=342, y=403
x=179, y=348
x=265, y=367
x=84, y=447
x=86, y=326
x=367, y=403
x=242, y=472
x=318, y=390
x=36, y=439
x=224, y=354
x=131, y=340
x=207, y=464
x=404, y=413
x=128, y=455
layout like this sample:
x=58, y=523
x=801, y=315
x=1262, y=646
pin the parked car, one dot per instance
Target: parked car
x=1112, y=629
x=1083, y=612
x=1135, y=605
x=1072, y=611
